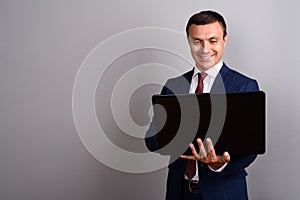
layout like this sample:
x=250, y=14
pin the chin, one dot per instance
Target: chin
x=206, y=66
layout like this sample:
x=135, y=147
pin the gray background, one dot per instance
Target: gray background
x=43, y=44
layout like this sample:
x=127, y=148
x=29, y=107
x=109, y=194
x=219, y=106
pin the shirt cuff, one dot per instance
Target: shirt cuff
x=218, y=170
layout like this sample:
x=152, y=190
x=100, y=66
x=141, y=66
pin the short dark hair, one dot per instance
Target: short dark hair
x=206, y=17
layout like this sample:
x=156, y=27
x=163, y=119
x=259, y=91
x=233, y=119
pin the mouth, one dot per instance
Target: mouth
x=206, y=57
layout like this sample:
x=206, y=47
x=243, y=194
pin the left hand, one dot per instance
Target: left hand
x=209, y=158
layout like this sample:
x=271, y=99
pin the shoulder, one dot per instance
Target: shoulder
x=232, y=73
x=179, y=84
x=235, y=80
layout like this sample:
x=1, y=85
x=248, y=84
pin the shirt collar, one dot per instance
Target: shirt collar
x=213, y=71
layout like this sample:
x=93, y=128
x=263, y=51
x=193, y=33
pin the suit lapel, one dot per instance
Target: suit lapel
x=185, y=88
x=220, y=83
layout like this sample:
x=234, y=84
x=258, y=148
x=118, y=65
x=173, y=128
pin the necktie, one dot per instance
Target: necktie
x=190, y=170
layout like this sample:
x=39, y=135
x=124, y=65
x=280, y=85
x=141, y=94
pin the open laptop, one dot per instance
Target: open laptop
x=234, y=121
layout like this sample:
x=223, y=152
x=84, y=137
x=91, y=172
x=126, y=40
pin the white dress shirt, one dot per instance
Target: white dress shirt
x=208, y=80
x=207, y=85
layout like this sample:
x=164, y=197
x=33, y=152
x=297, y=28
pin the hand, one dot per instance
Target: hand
x=209, y=158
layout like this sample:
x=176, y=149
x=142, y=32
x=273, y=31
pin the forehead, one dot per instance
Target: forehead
x=206, y=31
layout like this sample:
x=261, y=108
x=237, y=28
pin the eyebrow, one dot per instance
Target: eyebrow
x=211, y=38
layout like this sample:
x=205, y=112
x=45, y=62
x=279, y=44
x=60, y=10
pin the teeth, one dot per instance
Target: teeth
x=205, y=57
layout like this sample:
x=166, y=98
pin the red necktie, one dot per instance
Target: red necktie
x=190, y=170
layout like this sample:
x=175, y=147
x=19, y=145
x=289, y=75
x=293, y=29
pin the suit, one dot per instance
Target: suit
x=230, y=184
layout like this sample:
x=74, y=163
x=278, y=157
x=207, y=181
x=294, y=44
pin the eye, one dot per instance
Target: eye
x=196, y=42
x=213, y=41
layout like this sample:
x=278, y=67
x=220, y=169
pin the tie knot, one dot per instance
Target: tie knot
x=202, y=75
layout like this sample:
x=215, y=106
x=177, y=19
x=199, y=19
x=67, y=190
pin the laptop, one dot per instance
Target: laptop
x=234, y=121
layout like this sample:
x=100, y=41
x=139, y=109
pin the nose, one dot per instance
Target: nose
x=205, y=47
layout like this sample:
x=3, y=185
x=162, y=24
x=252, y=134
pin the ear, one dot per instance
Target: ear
x=225, y=40
x=188, y=39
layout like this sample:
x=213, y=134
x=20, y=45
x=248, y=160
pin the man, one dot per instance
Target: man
x=217, y=177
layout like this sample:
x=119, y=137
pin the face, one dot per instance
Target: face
x=207, y=44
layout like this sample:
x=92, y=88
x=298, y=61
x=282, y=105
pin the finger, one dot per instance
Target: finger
x=226, y=156
x=188, y=157
x=194, y=152
x=210, y=147
x=202, y=150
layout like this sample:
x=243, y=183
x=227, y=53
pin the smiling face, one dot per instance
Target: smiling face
x=207, y=44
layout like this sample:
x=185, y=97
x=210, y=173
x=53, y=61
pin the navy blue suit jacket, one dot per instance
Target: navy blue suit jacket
x=231, y=182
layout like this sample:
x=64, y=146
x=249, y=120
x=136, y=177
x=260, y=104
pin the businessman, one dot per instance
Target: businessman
x=204, y=174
